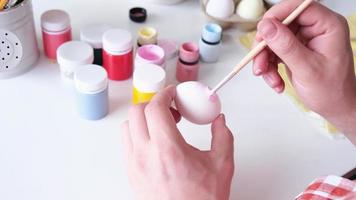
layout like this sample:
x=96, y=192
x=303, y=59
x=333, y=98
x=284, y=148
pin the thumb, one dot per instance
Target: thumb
x=222, y=144
x=281, y=40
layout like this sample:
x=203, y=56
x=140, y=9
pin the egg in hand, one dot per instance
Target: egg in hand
x=196, y=103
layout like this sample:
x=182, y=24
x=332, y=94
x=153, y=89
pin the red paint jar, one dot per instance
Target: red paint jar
x=118, y=54
x=188, y=62
x=56, y=30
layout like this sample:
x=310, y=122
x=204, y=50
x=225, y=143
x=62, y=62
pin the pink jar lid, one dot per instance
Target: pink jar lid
x=170, y=48
x=189, y=52
x=117, y=41
x=55, y=20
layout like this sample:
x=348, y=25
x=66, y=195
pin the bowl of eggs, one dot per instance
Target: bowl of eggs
x=245, y=14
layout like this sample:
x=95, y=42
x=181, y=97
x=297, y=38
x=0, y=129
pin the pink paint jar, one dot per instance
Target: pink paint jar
x=118, y=54
x=188, y=62
x=150, y=54
x=56, y=30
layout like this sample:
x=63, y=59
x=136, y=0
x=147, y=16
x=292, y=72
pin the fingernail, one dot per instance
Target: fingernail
x=258, y=71
x=279, y=89
x=267, y=29
x=172, y=89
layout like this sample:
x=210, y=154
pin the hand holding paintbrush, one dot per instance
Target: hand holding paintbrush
x=261, y=46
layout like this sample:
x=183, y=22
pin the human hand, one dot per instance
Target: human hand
x=162, y=166
x=317, y=52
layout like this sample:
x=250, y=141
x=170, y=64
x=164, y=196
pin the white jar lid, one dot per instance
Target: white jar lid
x=55, y=20
x=93, y=34
x=91, y=79
x=74, y=53
x=117, y=40
x=149, y=78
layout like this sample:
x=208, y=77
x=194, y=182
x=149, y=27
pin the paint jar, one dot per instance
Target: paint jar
x=210, y=43
x=147, y=81
x=72, y=55
x=93, y=35
x=147, y=35
x=91, y=83
x=118, y=54
x=56, y=30
x=150, y=54
x=188, y=62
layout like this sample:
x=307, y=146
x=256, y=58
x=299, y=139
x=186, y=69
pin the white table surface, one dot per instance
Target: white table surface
x=48, y=153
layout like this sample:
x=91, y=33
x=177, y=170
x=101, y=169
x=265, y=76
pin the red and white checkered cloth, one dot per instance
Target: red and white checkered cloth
x=330, y=188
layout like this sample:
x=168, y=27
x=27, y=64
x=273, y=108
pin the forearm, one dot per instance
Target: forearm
x=348, y=126
x=346, y=121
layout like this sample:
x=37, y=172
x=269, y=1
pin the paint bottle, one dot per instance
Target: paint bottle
x=91, y=83
x=147, y=81
x=188, y=62
x=118, y=54
x=56, y=30
x=147, y=35
x=210, y=43
x=150, y=54
x=72, y=55
x=93, y=35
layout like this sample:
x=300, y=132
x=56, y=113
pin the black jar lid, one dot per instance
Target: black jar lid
x=138, y=14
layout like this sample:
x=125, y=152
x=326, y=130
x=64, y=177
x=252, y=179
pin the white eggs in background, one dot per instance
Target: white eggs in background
x=196, y=104
x=251, y=9
x=273, y=2
x=220, y=8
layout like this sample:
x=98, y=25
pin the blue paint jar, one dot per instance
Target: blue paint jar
x=91, y=83
x=210, y=43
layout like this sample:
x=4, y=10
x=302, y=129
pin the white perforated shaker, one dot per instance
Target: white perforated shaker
x=18, y=45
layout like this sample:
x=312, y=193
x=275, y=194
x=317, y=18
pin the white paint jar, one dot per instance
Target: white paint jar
x=72, y=55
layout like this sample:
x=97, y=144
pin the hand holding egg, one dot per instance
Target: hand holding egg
x=195, y=103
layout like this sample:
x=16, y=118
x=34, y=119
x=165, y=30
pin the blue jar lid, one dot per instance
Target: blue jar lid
x=212, y=33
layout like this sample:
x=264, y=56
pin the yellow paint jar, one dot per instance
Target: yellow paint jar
x=148, y=79
x=147, y=35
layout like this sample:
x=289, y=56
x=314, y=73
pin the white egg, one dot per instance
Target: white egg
x=196, y=104
x=273, y=2
x=251, y=9
x=220, y=8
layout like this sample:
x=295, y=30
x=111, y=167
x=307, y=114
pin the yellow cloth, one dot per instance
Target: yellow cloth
x=247, y=41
